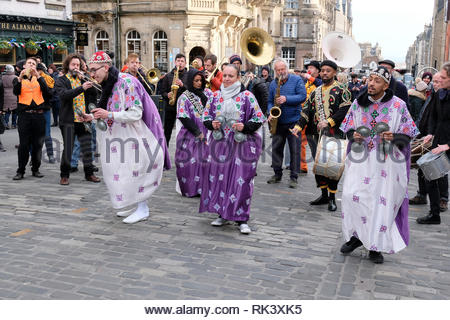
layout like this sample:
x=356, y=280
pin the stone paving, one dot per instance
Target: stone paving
x=65, y=242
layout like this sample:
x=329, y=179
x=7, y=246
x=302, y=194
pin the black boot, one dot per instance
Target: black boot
x=351, y=245
x=430, y=218
x=332, y=202
x=376, y=257
x=323, y=199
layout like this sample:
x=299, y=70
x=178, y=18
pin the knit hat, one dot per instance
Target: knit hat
x=100, y=57
x=234, y=58
x=9, y=69
x=428, y=75
x=329, y=63
x=383, y=73
x=421, y=86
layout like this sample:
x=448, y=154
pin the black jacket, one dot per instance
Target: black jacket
x=166, y=84
x=425, y=112
x=46, y=94
x=261, y=92
x=64, y=91
x=439, y=124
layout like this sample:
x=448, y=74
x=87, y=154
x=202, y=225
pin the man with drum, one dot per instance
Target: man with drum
x=323, y=113
x=375, y=188
x=439, y=128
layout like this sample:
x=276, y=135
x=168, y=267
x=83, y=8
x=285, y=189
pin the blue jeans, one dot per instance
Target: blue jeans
x=14, y=117
x=77, y=148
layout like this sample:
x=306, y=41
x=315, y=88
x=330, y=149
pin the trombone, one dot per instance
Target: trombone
x=212, y=74
x=85, y=77
x=151, y=75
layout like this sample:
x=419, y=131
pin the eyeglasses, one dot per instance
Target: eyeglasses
x=93, y=71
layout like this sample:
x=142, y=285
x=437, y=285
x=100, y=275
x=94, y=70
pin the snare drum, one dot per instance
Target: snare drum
x=330, y=157
x=418, y=149
x=434, y=166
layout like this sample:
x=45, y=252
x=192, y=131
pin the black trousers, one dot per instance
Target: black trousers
x=442, y=184
x=321, y=181
x=31, y=128
x=84, y=137
x=170, y=116
x=282, y=135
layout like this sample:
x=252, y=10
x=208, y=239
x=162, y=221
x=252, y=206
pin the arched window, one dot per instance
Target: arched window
x=133, y=42
x=290, y=27
x=160, y=60
x=102, y=41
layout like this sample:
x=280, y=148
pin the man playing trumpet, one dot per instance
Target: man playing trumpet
x=75, y=93
x=133, y=67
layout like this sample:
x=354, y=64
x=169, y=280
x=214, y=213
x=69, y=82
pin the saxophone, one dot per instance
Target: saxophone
x=275, y=111
x=174, y=88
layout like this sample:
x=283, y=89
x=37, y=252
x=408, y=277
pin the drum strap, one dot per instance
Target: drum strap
x=319, y=103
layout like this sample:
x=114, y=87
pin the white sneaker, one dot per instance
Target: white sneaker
x=218, y=222
x=125, y=213
x=245, y=229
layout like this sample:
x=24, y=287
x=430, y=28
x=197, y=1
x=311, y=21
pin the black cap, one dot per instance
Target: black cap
x=389, y=62
x=313, y=63
x=329, y=63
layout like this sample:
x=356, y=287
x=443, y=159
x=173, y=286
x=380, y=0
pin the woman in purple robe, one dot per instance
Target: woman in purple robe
x=191, y=151
x=234, y=150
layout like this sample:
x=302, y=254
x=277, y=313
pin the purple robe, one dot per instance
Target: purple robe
x=375, y=199
x=191, y=153
x=228, y=179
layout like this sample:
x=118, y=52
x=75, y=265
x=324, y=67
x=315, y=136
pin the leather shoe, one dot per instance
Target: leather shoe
x=93, y=178
x=64, y=181
x=332, y=205
x=429, y=219
x=37, y=174
x=320, y=200
x=18, y=176
x=376, y=257
x=418, y=200
x=351, y=245
x=443, y=206
x=274, y=179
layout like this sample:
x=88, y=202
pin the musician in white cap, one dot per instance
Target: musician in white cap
x=374, y=196
x=133, y=149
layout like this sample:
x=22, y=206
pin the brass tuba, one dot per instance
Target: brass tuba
x=258, y=46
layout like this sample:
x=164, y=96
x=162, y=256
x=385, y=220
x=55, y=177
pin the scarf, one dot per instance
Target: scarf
x=229, y=106
x=79, y=101
x=107, y=86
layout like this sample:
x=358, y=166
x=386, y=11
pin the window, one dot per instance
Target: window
x=102, y=41
x=306, y=1
x=290, y=27
x=289, y=55
x=160, y=60
x=133, y=42
x=291, y=4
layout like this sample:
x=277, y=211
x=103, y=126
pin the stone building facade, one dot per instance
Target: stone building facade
x=158, y=30
x=306, y=23
x=440, y=34
x=419, y=53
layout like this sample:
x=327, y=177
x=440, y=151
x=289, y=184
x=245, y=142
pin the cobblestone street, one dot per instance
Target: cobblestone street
x=65, y=242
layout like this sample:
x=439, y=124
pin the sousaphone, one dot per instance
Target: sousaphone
x=258, y=46
x=342, y=49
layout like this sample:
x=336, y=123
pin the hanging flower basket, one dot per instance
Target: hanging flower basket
x=5, y=47
x=60, y=47
x=31, y=47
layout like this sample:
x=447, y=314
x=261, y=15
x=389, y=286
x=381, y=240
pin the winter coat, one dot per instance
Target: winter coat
x=439, y=124
x=10, y=100
x=416, y=101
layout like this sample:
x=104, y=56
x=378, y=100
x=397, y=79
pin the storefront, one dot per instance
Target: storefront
x=22, y=37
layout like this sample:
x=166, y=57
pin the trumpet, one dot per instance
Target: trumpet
x=85, y=77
